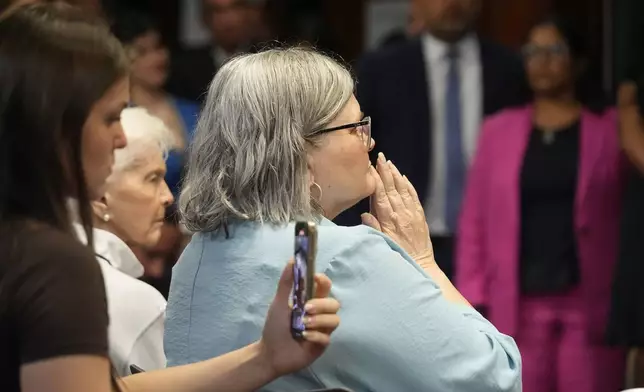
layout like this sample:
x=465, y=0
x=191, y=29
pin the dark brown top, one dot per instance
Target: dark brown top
x=52, y=300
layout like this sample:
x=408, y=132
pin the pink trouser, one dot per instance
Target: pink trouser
x=556, y=353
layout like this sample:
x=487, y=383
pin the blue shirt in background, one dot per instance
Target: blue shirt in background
x=176, y=160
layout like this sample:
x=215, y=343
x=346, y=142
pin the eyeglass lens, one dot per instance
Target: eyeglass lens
x=365, y=133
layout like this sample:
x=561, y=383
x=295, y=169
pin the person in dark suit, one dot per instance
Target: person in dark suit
x=230, y=23
x=426, y=98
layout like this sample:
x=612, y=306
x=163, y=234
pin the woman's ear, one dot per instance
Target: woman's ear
x=310, y=166
x=100, y=208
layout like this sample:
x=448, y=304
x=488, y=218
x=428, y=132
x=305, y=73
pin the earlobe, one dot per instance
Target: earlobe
x=310, y=169
x=100, y=208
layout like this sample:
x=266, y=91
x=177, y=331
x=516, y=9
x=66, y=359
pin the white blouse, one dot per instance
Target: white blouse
x=136, y=309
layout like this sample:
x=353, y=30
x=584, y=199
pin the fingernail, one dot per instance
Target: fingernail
x=307, y=320
x=308, y=307
x=305, y=334
x=381, y=157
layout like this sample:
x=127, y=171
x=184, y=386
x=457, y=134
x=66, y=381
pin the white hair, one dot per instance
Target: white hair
x=145, y=134
x=248, y=159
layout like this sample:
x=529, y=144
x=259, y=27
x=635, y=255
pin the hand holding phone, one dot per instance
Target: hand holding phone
x=303, y=274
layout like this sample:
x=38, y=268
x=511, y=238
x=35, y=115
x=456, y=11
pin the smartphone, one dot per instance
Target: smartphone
x=332, y=390
x=136, y=370
x=306, y=236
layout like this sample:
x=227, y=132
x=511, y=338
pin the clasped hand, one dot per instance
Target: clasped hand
x=397, y=212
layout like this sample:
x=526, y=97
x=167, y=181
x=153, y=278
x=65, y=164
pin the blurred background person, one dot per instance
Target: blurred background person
x=538, y=235
x=232, y=26
x=626, y=325
x=259, y=22
x=426, y=97
x=626, y=321
x=305, y=144
x=149, y=71
x=416, y=19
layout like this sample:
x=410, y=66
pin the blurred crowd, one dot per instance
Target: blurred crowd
x=527, y=169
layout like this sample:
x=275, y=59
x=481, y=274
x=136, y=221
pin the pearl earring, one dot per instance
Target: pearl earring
x=106, y=217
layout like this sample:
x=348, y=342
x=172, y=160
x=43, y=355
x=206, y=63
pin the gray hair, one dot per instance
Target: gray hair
x=145, y=134
x=248, y=159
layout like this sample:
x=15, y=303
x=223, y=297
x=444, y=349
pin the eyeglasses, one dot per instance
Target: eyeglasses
x=363, y=128
x=531, y=51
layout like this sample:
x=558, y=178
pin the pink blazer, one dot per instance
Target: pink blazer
x=488, y=236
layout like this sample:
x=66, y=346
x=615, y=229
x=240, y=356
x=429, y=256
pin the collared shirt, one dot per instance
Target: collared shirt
x=136, y=309
x=437, y=67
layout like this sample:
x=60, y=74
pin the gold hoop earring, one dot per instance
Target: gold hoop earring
x=317, y=199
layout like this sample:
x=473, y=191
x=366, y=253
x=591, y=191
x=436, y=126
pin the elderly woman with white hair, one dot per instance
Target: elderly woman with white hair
x=282, y=138
x=131, y=213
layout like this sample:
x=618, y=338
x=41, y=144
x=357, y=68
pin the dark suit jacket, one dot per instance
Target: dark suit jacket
x=392, y=89
x=626, y=321
x=191, y=72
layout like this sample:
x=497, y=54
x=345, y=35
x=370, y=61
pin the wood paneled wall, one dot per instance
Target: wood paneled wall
x=508, y=21
x=505, y=21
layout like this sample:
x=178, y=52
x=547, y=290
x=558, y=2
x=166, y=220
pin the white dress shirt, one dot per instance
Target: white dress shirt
x=136, y=309
x=437, y=67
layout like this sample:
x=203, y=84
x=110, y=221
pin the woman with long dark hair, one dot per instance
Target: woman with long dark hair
x=537, y=238
x=63, y=85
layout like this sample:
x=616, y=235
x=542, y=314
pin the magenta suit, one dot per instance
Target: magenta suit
x=487, y=259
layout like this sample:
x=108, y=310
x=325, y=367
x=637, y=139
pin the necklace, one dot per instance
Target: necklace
x=548, y=137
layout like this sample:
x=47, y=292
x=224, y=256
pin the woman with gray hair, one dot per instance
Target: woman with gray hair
x=282, y=138
x=131, y=213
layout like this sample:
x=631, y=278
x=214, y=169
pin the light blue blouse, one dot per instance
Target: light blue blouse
x=397, y=334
